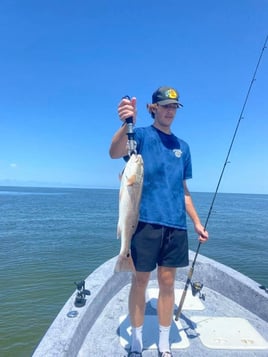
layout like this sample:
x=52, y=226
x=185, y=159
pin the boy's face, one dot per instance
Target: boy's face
x=164, y=115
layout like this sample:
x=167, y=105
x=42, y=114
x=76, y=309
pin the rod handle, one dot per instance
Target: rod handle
x=130, y=132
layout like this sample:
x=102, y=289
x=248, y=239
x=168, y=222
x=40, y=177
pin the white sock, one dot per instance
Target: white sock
x=164, y=338
x=136, y=341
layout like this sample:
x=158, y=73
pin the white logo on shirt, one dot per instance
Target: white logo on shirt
x=177, y=152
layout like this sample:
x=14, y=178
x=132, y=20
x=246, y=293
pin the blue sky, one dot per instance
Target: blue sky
x=64, y=66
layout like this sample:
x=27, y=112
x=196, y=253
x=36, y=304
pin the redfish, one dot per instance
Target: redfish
x=129, y=203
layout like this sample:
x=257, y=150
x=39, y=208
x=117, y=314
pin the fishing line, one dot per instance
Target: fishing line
x=190, y=274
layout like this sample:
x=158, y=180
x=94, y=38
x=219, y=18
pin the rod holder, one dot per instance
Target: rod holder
x=80, y=299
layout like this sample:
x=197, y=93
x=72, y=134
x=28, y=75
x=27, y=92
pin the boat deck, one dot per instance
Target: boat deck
x=110, y=334
x=232, y=320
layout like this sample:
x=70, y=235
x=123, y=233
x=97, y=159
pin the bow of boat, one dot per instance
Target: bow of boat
x=102, y=325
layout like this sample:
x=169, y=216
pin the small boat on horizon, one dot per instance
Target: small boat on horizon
x=224, y=314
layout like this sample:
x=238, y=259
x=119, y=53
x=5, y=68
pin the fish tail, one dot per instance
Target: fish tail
x=124, y=263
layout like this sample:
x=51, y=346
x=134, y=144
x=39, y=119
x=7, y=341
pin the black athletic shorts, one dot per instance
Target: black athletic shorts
x=153, y=244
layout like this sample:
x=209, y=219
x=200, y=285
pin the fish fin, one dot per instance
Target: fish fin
x=120, y=175
x=124, y=263
x=131, y=180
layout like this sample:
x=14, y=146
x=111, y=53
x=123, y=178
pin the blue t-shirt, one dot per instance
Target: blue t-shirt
x=167, y=163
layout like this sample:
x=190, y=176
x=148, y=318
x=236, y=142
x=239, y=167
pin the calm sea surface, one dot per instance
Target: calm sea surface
x=50, y=238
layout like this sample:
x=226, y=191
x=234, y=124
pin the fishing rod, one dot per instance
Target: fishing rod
x=191, y=271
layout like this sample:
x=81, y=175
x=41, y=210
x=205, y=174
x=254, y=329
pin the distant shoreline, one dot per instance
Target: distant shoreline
x=4, y=188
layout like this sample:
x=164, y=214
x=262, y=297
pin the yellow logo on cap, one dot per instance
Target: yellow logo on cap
x=171, y=93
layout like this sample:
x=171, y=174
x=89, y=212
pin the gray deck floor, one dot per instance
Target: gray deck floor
x=104, y=340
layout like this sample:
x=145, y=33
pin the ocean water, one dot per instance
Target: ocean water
x=50, y=238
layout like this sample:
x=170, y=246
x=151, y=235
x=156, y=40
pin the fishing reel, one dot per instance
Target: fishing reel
x=196, y=289
x=80, y=299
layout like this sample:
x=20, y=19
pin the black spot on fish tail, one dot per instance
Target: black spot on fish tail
x=124, y=264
